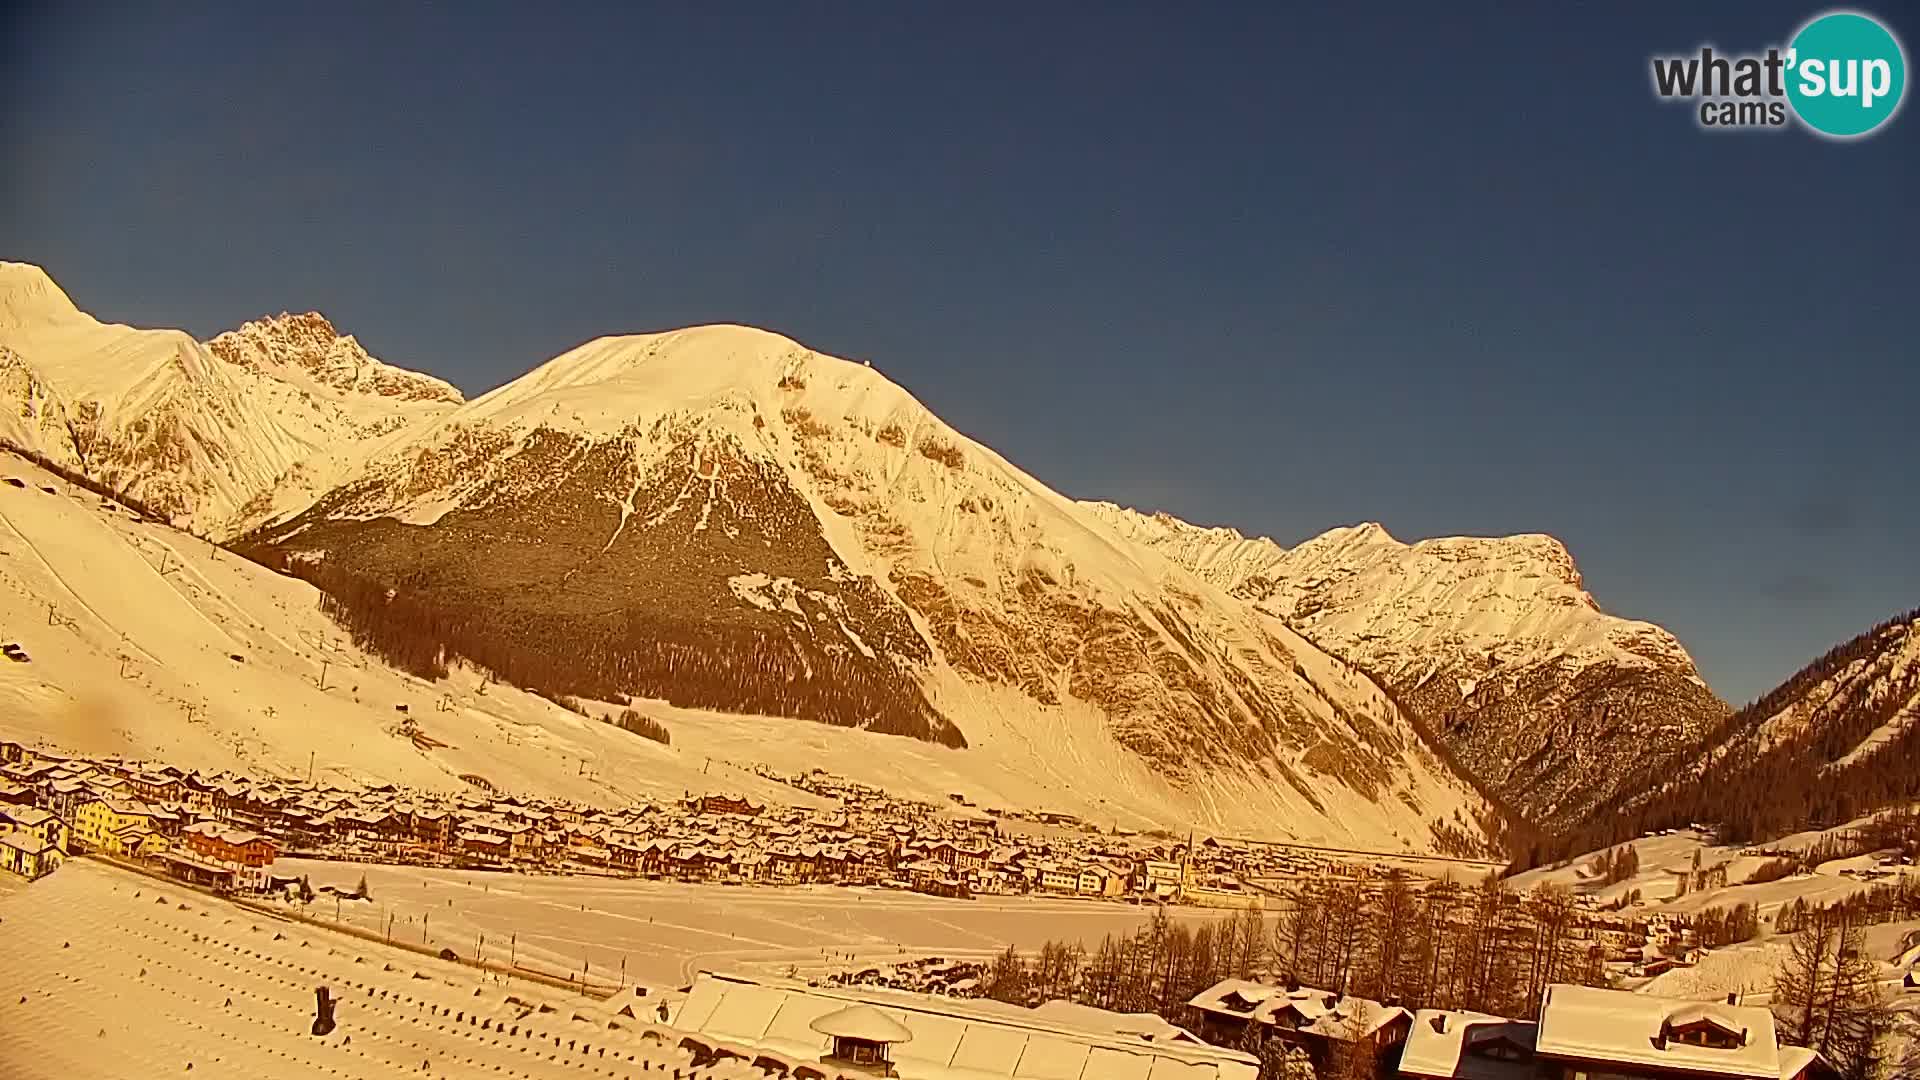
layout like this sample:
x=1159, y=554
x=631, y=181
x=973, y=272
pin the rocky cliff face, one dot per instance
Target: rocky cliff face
x=306, y=348
x=1493, y=642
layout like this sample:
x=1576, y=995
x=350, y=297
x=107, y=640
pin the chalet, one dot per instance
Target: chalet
x=1660, y=965
x=483, y=844
x=923, y=874
x=1445, y=1044
x=37, y=824
x=521, y=839
x=109, y=786
x=28, y=855
x=692, y=863
x=231, y=845
x=833, y=864
x=63, y=797
x=432, y=827
x=1317, y=1021
x=794, y=864
x=154, y=787
x=1585, y=1031
x=639, y=858
x=1101, y=881
x=750, y=866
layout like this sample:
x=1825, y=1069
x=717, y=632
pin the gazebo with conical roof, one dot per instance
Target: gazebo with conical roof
x=863, y=1035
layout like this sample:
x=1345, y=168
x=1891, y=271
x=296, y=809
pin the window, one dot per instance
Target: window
x=1709, y=1037
x=1501, y=1050
x=1705, y=1031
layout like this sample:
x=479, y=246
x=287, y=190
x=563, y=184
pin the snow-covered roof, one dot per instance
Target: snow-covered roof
x=26, y=842
x=952, y=1039
x=28, y=816
x=1443, y=1042
x=1322, y=1012
x=864, y=1022
x=1589, y=1024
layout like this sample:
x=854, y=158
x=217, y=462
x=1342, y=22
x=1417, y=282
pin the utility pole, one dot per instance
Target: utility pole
x=310, y=754
x=323, y=673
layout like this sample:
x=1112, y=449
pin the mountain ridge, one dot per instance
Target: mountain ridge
x=1837, y=739
x=1493, y=641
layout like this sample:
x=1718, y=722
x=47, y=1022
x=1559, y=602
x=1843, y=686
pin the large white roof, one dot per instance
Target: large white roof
x=952, y=1039
x=1590, y=1024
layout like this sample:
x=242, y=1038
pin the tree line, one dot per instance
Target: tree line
x=1440, y=945
x=618, y=654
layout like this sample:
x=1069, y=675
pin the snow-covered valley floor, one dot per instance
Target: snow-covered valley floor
x=665, y=932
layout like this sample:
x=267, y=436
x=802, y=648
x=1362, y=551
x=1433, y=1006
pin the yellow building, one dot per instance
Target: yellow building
x=36, y=823
x=28, y=855
x=116, y=827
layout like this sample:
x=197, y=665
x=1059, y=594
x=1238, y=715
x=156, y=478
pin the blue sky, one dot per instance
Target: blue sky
x=1446, y=267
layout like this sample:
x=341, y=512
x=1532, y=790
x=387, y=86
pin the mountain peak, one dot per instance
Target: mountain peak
x=29, y=296
x=309, y=345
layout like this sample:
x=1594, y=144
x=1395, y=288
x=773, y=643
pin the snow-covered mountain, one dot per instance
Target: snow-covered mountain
x=722, y=518
x=1855, y=710
x=1871, y=684
x=306, y=351
x=214, y=436
x=717, y=524
x=1839, y=739
x=1494, y=643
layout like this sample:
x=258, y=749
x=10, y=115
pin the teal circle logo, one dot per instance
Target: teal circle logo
x=1846, y=74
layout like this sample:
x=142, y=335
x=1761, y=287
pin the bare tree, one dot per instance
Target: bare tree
x=1802, y=983
x=1356, y=1054
x=1249, y=943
